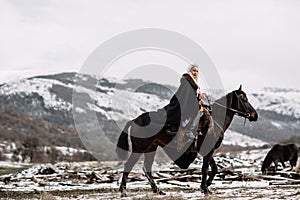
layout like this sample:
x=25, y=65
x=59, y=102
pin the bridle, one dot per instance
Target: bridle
x=243, y=114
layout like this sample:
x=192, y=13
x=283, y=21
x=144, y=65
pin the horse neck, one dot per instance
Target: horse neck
x=267, y=161
x=221, y=115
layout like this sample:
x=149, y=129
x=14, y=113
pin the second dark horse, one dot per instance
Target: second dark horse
x=281, y=153
x=223, y=111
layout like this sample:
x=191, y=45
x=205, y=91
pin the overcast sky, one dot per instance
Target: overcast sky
x=256, y=43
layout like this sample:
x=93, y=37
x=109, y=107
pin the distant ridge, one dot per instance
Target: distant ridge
x=49, y=97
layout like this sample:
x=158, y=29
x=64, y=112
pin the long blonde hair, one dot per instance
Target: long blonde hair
x=189, y=71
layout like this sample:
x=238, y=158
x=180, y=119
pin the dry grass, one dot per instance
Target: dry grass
x=47, y=196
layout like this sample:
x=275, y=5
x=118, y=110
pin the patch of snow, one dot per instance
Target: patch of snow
x=40, y=86
x=276, y=124
x=235, y=138
x=69, y=151
x=79, y=110
x=7, y=164
x=124, y=105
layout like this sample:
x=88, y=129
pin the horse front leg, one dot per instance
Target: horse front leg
x=276, y=167
x=148, y=162
x=133, y=158
x=214, y=171
x=282, y=163
x=205, y=165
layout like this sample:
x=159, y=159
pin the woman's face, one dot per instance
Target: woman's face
x=195, y=72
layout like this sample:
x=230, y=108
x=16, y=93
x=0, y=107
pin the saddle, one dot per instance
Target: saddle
x=182, y=141
x=179, y=134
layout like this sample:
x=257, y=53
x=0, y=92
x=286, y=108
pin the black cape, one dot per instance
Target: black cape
x=183, y=105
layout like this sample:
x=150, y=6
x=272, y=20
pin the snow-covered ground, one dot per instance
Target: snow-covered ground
x=249, y=191
x=100, y=180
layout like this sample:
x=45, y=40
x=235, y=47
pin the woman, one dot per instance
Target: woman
x=182, y=111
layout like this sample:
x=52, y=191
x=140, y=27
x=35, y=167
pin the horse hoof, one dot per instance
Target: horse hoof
x=123, y=195
x=206, y=191
x=161, y=193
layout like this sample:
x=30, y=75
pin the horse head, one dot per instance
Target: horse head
x=240, y=105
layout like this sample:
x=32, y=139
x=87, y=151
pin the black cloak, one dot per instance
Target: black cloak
x=183, y=105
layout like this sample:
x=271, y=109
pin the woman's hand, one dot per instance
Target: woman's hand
x=203, y=95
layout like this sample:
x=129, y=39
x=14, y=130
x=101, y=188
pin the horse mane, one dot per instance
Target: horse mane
x=224, y=100
x=218, y=107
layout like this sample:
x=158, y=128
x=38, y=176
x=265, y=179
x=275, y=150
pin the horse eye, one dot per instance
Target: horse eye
x=243, y=97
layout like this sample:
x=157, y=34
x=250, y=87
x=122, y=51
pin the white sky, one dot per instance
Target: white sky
x=256, y=43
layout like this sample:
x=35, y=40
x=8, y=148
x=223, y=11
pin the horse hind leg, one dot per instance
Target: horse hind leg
x=148, y=162
x=293, y=162
x=282, y=163
x=133, y=158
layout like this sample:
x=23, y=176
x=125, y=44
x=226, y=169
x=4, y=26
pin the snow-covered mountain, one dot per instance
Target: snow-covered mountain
x=50, y=98
x=47, y=96
x=280, y=101
x=279, y=115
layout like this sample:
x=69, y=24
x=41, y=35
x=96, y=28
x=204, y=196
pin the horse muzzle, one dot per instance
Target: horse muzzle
x=253, y=116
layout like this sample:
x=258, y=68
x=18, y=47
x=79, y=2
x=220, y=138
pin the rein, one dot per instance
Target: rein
x=236, y=111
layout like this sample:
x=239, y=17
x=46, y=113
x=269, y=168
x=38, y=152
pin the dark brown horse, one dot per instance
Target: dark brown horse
x=210, y=135
x=281, y=153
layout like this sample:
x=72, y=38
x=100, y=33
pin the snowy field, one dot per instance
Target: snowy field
x=239, y=177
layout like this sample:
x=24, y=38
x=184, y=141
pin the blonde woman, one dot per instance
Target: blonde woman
x=182, y=111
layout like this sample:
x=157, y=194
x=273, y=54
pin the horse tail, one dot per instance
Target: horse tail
x=123, y=145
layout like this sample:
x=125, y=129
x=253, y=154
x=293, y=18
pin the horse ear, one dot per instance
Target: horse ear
x=240, y=89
